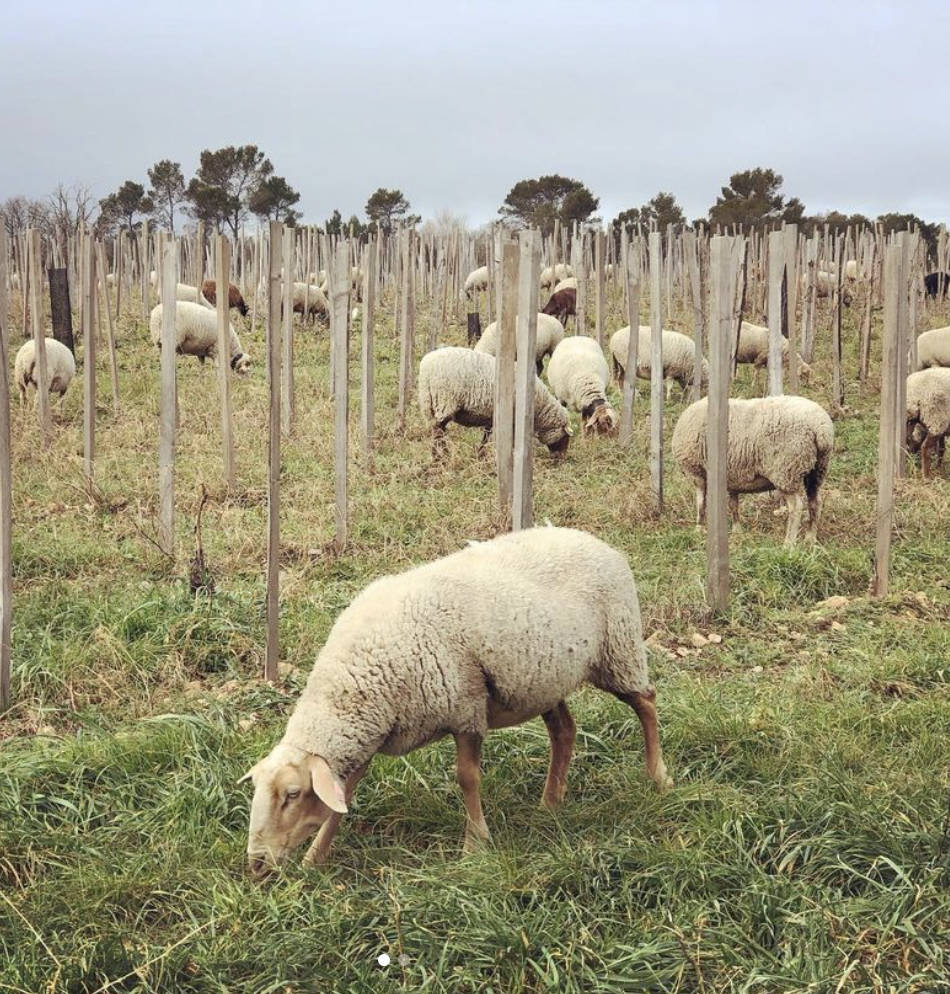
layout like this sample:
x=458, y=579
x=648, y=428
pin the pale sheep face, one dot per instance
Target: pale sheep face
x=602, y=422
x=241, y=366
x=287, y=808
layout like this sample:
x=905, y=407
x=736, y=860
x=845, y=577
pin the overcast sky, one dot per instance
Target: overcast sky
x=453, y=103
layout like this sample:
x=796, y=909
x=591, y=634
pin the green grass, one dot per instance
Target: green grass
x=804, y=847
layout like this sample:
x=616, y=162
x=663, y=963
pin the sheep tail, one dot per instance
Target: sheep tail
x=28, y=375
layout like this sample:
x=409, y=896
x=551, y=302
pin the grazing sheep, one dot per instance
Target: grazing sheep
x=933, y=282
x=313, y=299
x=578, y=375
x=60, y=368
x=933, y=348
x=550, y=276
x=562, y=304
x=928, y=414
x=775, y=443
x=568, y=283
x=679, y=357
x=476, y=281
x=753, y=349
x=235, y=299
x=550, y=332
x=189, y=294
x=458, y=385
x=851, y=269
x=826, y=283
x=491, y=636
x=197, y=331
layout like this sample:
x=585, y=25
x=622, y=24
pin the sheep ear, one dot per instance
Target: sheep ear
x=250, y=773
x=326, y=785
x=569, y=430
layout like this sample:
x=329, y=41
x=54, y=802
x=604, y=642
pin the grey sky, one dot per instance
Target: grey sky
x=453, y=103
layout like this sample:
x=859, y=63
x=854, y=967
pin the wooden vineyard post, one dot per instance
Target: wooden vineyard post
x=6, y=489
x=367, y=393
x=61, y=315
x=110, y=327
x=338, y=270
x=632, y=282
x=656, y=370
x=776, y=275
x=864, y=363
x=522, y=509
x=222, y=262
x=903, y=325
x=89, y=361
x=791, y=304
x=287, y=395
x=505, y=379
x=144, y=270
x=580, y=272
x=39, y=336
x=406, y=328
x=599, y=286
x=168, y=403
x=837, y=380
x=717, y=424
x=887, y=452
x=691, y=248
x=273, y=450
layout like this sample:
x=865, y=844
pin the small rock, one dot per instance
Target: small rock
x=714, y=638
x=287, y=669
x=836, y=626
x=682, y=651
x=921, y=599
x=756, y=669
x=833, y=603
x=245, y=723
x=699, y=640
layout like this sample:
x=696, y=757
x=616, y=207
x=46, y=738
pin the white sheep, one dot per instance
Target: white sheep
x=928, y=414
x=578, y=374
x=551, y=275
x=679, y=357
x=476, y=281
x=568, y=283
x=775, y=443
x=457, y=384
x=312, y=298
x=189, y=294
x=550, y=333
x=491, y=636
x=197, y=331
x=60, y=368
x=753, y=349
x=933, y=348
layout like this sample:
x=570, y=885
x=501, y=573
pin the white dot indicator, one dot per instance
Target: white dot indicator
x=383, y=959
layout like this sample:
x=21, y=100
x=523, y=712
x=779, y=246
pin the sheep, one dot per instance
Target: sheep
x=476, y=281
x=491, y=636
x=933, y=348
x=934, y=281
x=197, y=331
x=562, y=304
x=550, y=275
x=679, y=357
x=775, y=443
x=578, y=376
x=457, y=384
x=928, y=414
x=312, y=298
x=189, y=294
x=550, y=332
x=753, y=349
x=235, y=299
x=568, y=283
x=826, y=283
x=60, y=368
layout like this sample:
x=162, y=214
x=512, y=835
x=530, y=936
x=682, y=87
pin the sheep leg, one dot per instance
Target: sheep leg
x=925, y=451
x=562, y=732
x=734, y=508
x=645, y=706
x=469, y=746
x=320, y=847
x=795, y=504
x=438, y=441
x=486, y=438
x=814, y=511
x=22, y=387
x=700, y=504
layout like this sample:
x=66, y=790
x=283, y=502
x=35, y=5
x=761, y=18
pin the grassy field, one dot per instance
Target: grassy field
x=804, y=847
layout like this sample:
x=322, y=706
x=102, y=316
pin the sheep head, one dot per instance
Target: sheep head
x=603, y=421
x=294, y=794
x=241, y=364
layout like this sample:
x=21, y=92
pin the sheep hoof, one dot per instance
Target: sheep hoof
x=473, y=843
x=552, y=801
x=662, y=780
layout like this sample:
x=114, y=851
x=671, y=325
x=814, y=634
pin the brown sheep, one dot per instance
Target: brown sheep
x=209, y=292
x=563, y=304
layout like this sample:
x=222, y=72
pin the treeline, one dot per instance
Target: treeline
x=234, y=183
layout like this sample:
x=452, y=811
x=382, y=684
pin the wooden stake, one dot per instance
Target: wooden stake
x=339, y=276
x=691, y=248
x=656, y=370
x=168, y=403
x=406, y=328
x=505, y=379
x=110, y=328
x=222, y=262
x=791, y=304
x=632, y=282
x=600, y=286
x=39, y=336
x=273, y=450
x=776, y=276
x=522, y=508
x=288, y=400
x=89, y=360
x=367, y=395
x=717, y=424
x=6, y=489
x=887, y=452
